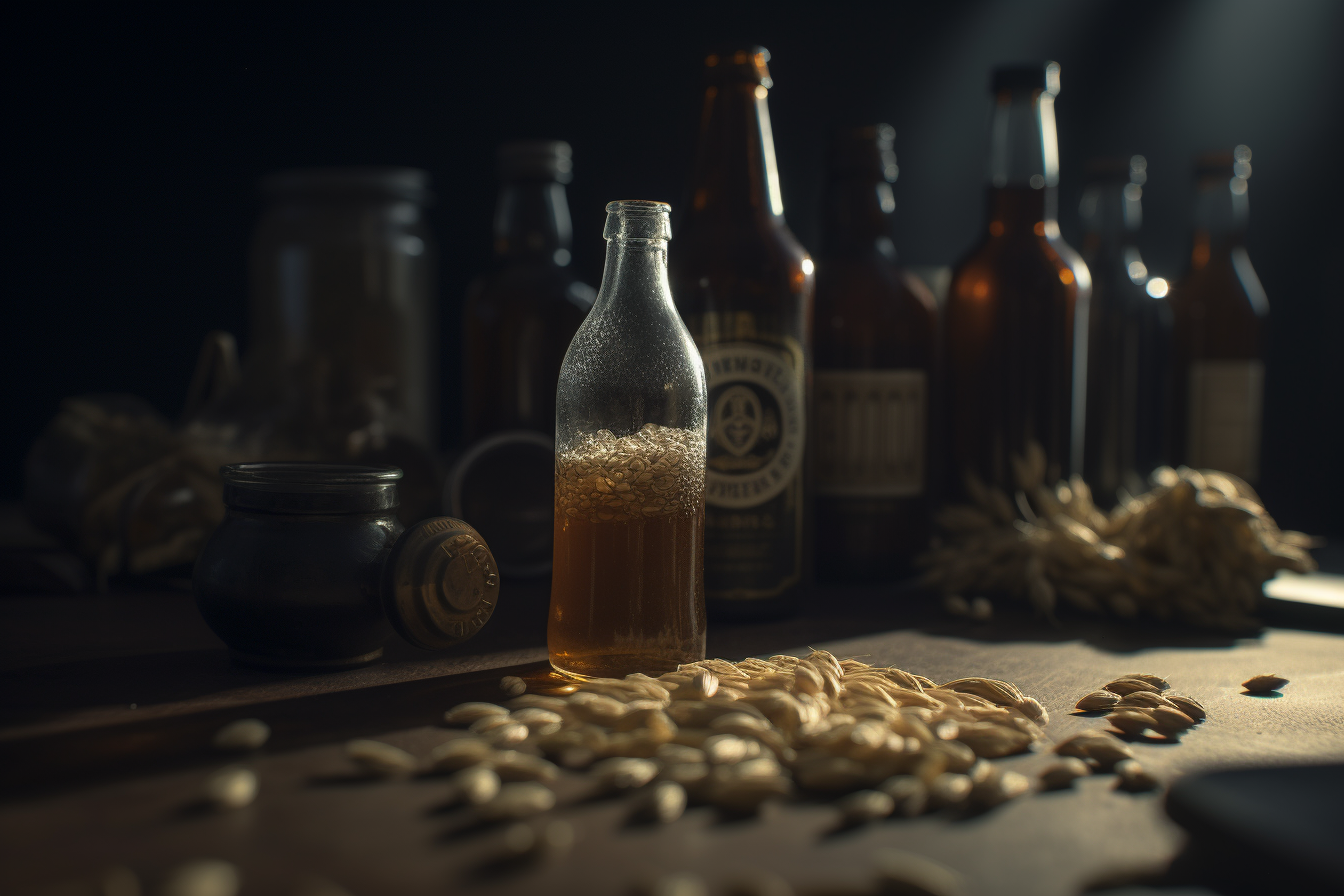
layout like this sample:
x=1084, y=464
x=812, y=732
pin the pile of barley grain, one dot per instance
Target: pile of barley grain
x=1197, y=547
x=734, y=735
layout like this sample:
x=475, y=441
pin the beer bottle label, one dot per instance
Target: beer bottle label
x=868, y=432
x=753, y=475
x=1223, y=426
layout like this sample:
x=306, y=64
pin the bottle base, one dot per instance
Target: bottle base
x=587, y=668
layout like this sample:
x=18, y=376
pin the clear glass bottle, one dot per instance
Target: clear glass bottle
x=1221, y=328
x=627, y=581
x=1016, y=318
x=1129, y=338
x=874, y=353
x=744, y=286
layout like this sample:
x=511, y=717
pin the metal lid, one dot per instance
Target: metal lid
x=536, y=160
x=300, y=487
x=440, y=583
x=335, y=184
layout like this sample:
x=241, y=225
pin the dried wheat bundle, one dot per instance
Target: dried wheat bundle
x=1197, y=547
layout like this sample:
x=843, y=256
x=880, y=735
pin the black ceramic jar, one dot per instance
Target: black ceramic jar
x=310, y=565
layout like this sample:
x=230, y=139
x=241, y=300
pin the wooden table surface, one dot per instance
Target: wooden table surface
x=104, y=745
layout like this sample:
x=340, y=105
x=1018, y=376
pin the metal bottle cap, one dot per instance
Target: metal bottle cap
x=441, y=583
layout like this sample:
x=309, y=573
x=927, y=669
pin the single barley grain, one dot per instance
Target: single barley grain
x=512, y=686
x=1098, y=701
x=242, y=735
x=231, y=788
x=518, y=801
x=378, y=758
x=1263, y=683
x=1063, y=773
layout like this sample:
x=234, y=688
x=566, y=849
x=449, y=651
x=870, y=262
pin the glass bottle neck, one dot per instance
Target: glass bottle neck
x=1023, y=147
x=1014, y=210
x=1221, y=210
x=735, y=172
x=1023, y=163
x=532, y=223
x=857, y=216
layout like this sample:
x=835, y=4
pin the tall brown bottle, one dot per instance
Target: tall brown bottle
x=873, y=357
x=744, y=286
x=1221, y=317
x=1016, y=319
x=517, y=323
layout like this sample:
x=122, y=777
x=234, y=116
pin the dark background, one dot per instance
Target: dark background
x=136, y=136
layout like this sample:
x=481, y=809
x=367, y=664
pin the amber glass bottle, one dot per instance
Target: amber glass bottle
x=744, y=285
x=1015, y=371
x=521, y=316
x=518, y=321
x=1221, y=318
x=873, y=357
x=1129, y=338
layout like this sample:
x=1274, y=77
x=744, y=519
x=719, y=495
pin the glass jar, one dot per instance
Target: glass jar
x=627, y=581
x=311, y=564
x=342, y=360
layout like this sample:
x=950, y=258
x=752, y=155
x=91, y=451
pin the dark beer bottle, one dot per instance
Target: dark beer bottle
x=1015, y=371
x=873, y=353
x=1221, y=318
x=744, y=285
x=1129, y=335
x=520, y=317
x=517, y=323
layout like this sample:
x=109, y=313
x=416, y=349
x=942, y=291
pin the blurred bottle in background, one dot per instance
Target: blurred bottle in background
x=873, y=359
x=1015, y=369
x=343, y=355
x=1221, y=318
x=744, y=287
x=1129, y=338
x=517, y=324
x=341, y=369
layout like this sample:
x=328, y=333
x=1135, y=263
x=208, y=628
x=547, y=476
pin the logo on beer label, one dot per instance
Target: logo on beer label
x=755, y=423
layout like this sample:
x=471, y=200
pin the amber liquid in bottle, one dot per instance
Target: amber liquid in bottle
x=874, y=354
x=627, y=584
x=744, y=287
x=1221, y=318
x=1014, y=367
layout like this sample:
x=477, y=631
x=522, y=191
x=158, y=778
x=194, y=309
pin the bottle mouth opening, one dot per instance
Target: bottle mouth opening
x=638, y=207
x=638, y=219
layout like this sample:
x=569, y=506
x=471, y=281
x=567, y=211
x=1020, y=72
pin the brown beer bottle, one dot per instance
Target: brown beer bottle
x=517, y=323
x=1129, y=338
x=1015, y=371
x=520, y=317
x=744, y=285
x=1221, y=318
x=873, y=355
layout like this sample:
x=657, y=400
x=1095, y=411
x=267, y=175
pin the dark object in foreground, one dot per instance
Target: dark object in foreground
x=1266, y=830
x=310, y=565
